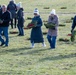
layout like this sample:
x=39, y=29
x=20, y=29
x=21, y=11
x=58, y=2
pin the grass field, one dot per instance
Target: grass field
x=19, y=59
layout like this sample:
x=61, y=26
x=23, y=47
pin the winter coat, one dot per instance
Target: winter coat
x=12, y=8
x=20, y=17
x=74, y=23
x=5, y=17
x=53, y=32
x=36, y=32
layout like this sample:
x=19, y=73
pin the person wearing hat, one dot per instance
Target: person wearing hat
x=36, y=32
x=12, y=8
x=20, y=17
x=52, y=32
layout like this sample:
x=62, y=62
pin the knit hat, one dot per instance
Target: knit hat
x=19, y=4
x=53, y=12
x=12, y=0
x=36, y=11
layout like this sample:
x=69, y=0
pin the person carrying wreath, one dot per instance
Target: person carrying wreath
x=52, y=32
x=36, y=32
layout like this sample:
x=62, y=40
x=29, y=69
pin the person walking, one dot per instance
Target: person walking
x=20, y=17
x=12, y=8
x=73, y=24
x=36, y=32
x=53, y=32
x=5, y=18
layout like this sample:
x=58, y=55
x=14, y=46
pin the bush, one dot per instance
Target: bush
x=64, y=39
x=63, y=7
x=62, y=25
x=46, y=7
x=29, y=18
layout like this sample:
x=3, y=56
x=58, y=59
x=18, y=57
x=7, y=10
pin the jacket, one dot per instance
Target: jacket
x=12, y=8
x=36, y=32
x=20, y=17
x=5, y=17
x=53, y=32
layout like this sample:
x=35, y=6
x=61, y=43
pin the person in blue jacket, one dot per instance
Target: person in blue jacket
x=73, y=24
x=36, y=32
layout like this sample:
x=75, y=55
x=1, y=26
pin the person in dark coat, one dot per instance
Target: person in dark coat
x=0, y=8
x=20, y=17
x=5, y=18
x=36, y=32
x=12, y=8
x=73, y=24
x=0, y=15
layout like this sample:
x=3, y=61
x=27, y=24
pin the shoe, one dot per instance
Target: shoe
x=52, y=48
x=19, y=35
x=2, y=44
x=44, y=45
x=22, y=35
x=6, y=46
x=32, y=46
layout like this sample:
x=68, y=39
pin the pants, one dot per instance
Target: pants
x=5, y=32
x=12, y=23
x=21, y=30
x=52, y=41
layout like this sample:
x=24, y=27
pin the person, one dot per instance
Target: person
x=12, y=8
x=0, y=7
x=73, y=24
x=20, y=17
x=1, y=13
x=53, y=32
x=36, y=32
x=5, y=18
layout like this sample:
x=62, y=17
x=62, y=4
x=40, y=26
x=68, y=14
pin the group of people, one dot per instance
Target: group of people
x=36, y=32
x=7, y=14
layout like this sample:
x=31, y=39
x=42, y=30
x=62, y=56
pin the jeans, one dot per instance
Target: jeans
x=21, y=31
x=5, y=32
x=52, y=40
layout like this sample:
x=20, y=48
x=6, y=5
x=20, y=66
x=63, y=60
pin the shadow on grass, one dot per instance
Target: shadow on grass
x=14, y=50
x=31, y=52
x=20, y=51
x=59, y=57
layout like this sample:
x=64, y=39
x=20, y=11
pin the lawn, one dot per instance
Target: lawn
x=19, y=59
